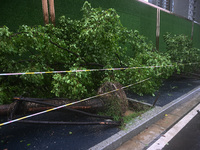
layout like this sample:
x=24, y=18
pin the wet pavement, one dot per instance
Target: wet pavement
x=188, y=138
x=151, y=134
x=171, y=90
x=78, y=137
x=62, y=137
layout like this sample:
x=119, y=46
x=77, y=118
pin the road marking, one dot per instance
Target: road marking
x=162, y=141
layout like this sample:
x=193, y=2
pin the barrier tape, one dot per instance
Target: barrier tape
x=65, y=105
x=49, y=110
x=90, y=70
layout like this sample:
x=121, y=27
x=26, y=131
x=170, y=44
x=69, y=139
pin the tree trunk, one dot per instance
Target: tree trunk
x=91, y=105
x=45, y=11
x=52, y=11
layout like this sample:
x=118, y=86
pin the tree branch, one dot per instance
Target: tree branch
x=78, y=56
x=64, y=49
x=15, y=34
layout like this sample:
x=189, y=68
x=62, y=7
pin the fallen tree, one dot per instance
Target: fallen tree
x=98, y=40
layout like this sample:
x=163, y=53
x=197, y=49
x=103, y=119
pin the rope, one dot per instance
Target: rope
x=59, y=107
x=65, y=105
x=87, y=70
x=91, y=70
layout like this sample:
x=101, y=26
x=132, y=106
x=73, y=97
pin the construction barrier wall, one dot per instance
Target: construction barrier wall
x=174, y=25
x=196, y=36
x=14, y=13
x=133, y=15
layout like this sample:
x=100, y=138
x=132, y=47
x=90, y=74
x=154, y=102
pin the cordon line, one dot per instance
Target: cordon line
x=90, y=70
x=65, y=105
x=86, y=70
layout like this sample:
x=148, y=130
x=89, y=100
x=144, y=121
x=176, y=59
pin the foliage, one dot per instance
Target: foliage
x=22, y=52
x=73, y=85
x=181, y=51
x=113, y=109
x=98, y=40
x=143, y=56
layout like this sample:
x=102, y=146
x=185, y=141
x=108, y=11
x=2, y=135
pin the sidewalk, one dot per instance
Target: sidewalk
x=31, y=136
x=150, y=134
x=143, y=131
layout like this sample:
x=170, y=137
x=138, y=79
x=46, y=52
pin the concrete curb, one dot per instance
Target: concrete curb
x=140, y=124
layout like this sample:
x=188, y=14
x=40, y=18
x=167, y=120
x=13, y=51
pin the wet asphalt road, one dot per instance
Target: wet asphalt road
x=172, y=89
x=75, y=137
x=60, y=137
x=188, y=138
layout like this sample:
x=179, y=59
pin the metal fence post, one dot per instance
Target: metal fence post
x=158, y=29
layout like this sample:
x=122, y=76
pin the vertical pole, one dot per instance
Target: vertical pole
x=192, y=32
x=45, y=11
x=52, y=11
x=158, y=29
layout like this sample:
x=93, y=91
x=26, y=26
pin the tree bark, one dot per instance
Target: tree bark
x=91, y=105
x=52, y=11
x=45, y=11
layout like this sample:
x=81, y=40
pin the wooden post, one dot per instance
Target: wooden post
x=52, y=11
x=158, y=29
x=45, y=11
